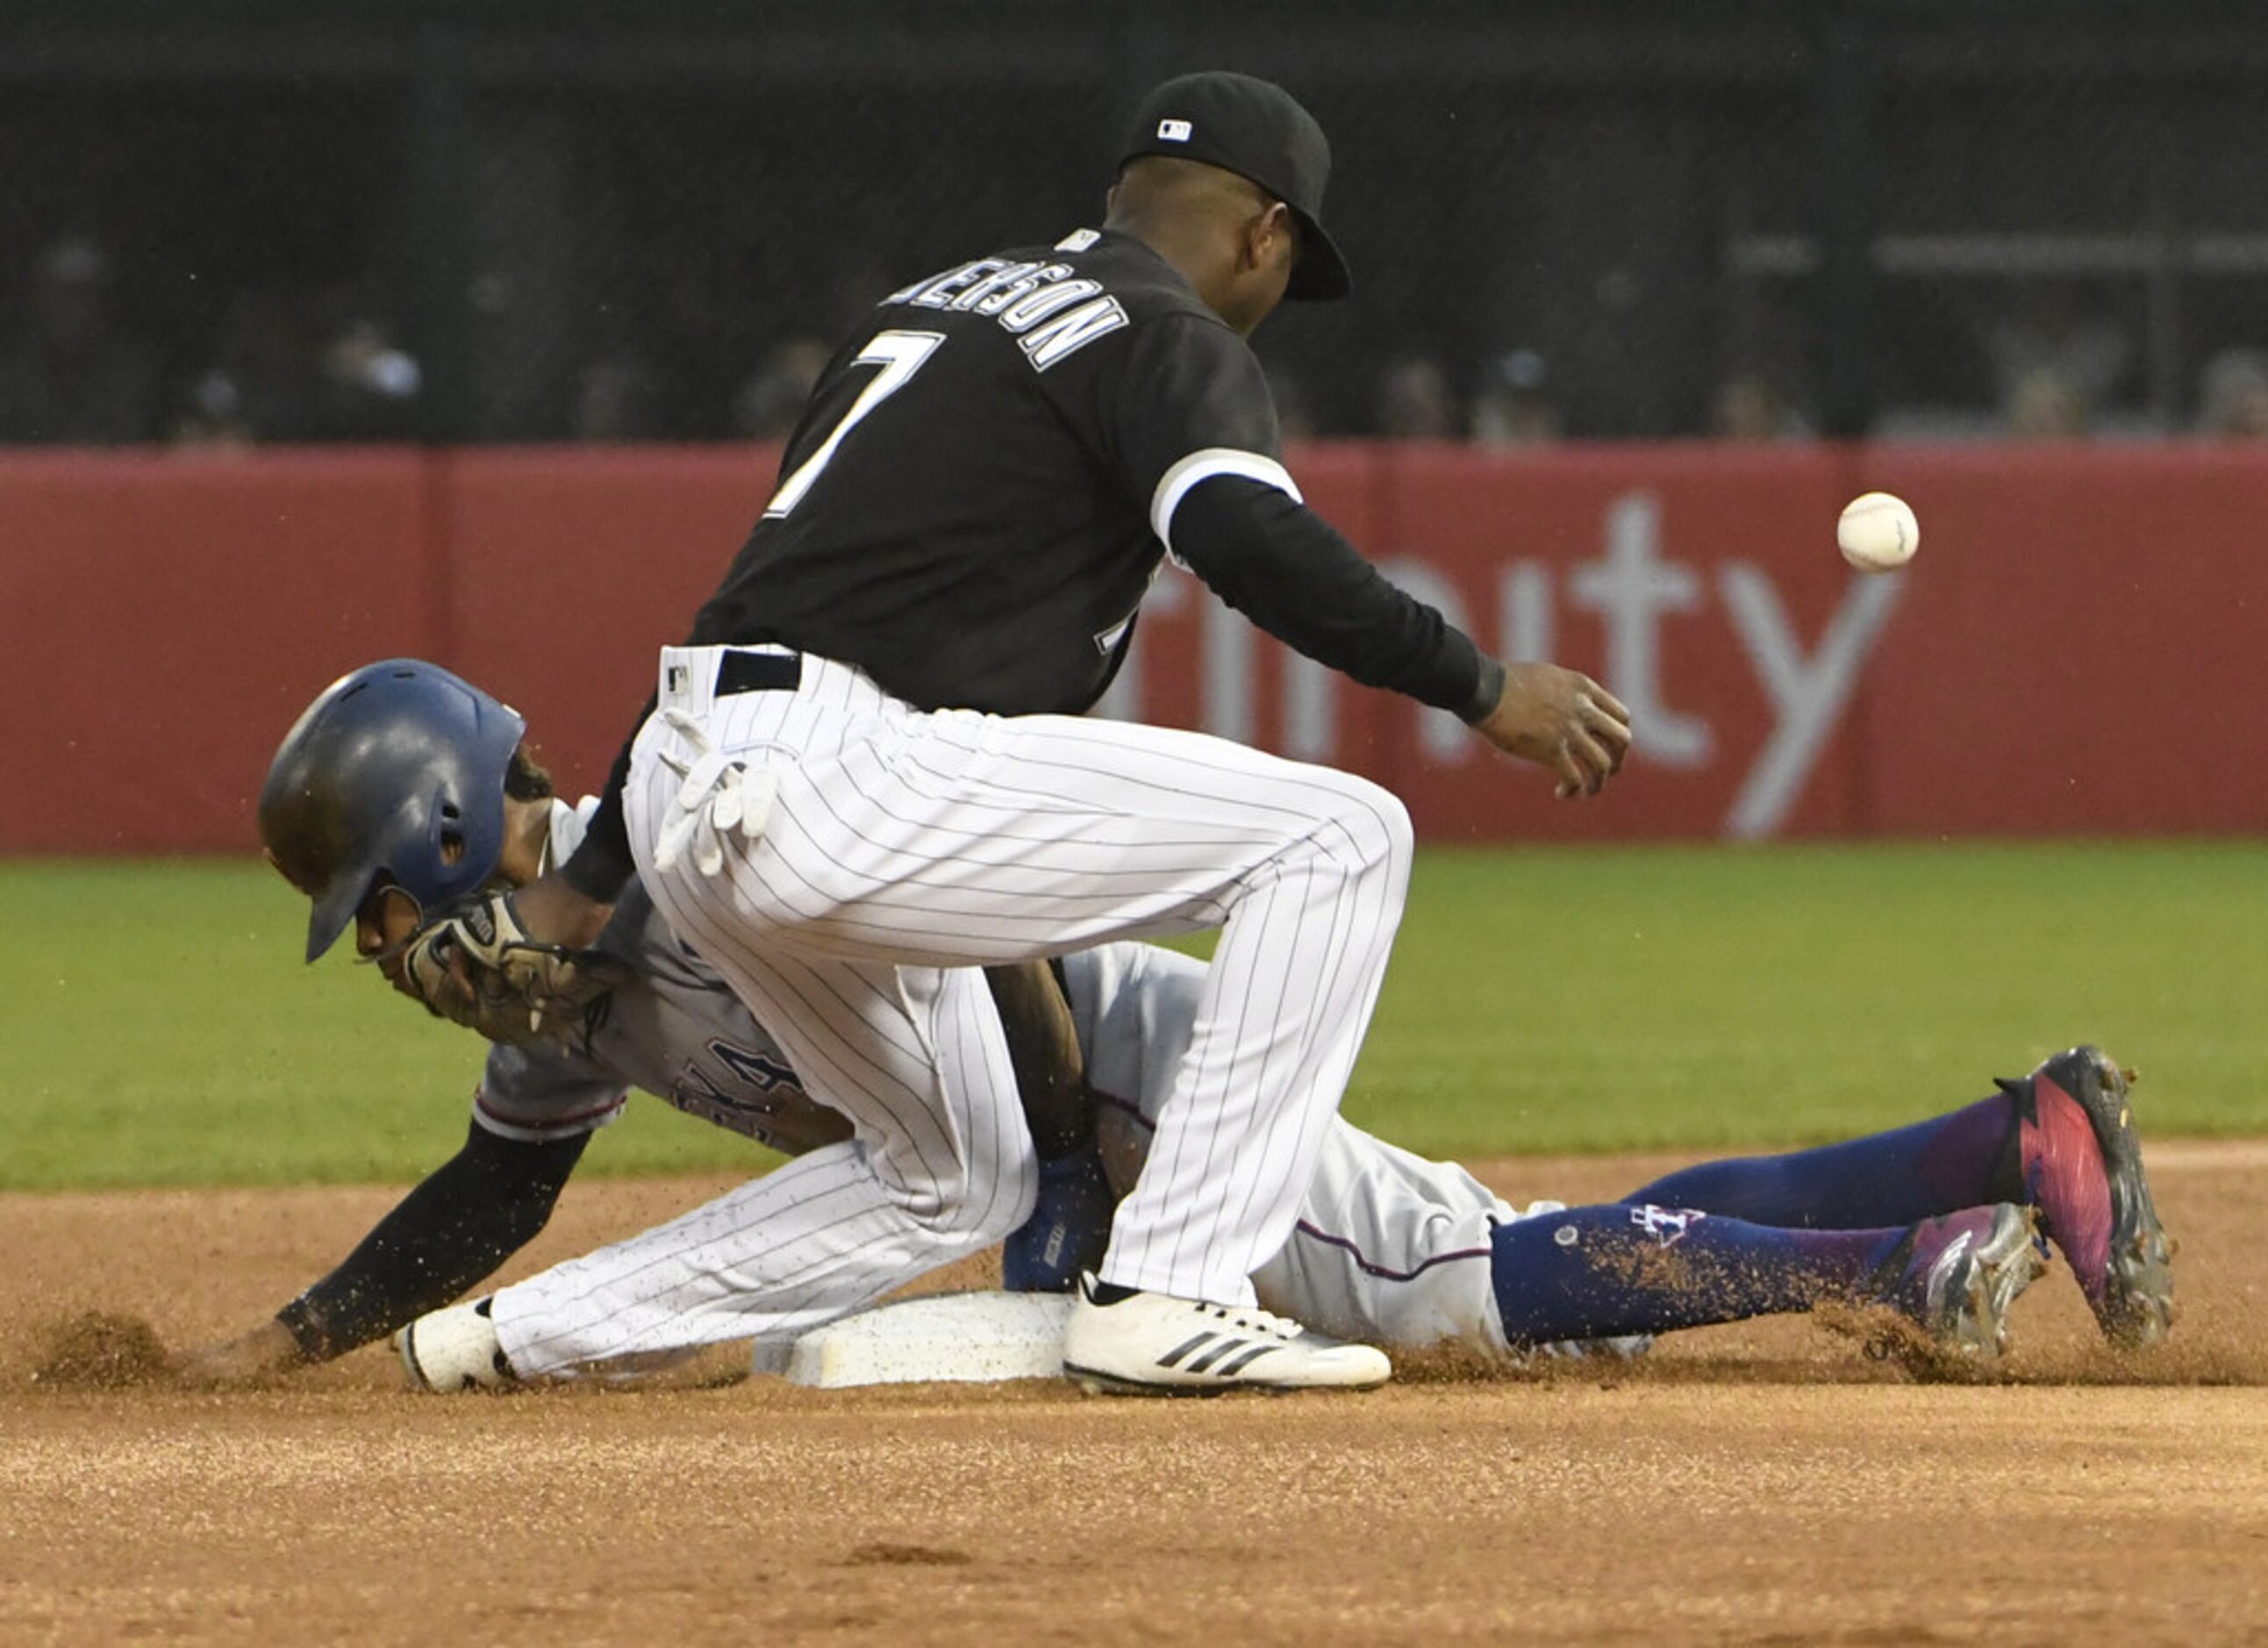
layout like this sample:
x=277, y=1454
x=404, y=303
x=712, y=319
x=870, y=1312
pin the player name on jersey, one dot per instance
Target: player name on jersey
x=1051, y=316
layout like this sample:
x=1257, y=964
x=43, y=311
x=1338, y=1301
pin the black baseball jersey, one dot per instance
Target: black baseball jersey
x=987, y=476
x=964, y=510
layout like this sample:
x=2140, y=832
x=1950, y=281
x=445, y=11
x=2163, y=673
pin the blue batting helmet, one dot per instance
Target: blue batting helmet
x=397, y=770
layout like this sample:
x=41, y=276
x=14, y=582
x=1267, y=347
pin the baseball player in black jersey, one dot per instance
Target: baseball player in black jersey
x=865, y=768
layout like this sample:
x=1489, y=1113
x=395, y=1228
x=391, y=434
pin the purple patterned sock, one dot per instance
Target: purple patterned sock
x=1966, y=1159
x=1592, y=1273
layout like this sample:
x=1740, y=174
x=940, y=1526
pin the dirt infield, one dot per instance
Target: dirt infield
x=1759, y=1483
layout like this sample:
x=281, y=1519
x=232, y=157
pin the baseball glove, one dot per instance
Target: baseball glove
x=475, y=965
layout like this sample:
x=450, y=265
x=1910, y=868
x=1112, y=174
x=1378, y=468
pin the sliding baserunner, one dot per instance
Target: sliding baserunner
x=416, y=787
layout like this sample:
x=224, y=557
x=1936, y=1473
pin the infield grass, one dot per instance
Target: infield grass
x=160, y=1029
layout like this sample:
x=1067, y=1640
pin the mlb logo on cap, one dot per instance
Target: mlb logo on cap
x=1260, y=132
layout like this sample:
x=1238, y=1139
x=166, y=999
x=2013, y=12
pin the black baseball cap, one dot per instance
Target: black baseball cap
x=1257, y=131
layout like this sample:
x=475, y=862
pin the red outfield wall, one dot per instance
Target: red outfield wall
x=2077, y=649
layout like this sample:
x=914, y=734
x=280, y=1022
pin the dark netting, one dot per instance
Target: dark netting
x=176, y=258
x=650, y=223
x=2062, y=248
x=675, y=261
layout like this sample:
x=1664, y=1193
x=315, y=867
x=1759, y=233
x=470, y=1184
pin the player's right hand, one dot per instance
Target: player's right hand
x=1563, y=720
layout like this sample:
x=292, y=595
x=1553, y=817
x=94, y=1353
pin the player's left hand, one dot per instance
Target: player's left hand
x=265, y=1351
x=1563, y=720
x=478, y=967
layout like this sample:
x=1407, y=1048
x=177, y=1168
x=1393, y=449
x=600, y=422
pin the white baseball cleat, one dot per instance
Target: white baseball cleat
x=454, y=1348
x=1150, y=1344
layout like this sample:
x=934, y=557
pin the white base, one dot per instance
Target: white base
x=958, y=1338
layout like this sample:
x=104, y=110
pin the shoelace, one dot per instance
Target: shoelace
x=1253, y=1319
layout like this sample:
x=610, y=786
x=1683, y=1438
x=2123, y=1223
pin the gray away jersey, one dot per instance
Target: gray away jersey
x=730, y=1072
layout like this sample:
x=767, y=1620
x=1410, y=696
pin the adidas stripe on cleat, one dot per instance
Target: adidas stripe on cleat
x=1148, y=1344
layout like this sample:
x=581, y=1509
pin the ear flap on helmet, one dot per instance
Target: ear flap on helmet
x=396, y=770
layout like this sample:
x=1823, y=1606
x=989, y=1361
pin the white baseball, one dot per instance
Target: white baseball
x=1878, y=532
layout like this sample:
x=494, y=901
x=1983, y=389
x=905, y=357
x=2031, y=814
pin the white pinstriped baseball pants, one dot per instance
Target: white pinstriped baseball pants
x=901, y=842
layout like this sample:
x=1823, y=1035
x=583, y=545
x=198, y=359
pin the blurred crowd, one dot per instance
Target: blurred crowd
x=285, y=366
x=289, y=366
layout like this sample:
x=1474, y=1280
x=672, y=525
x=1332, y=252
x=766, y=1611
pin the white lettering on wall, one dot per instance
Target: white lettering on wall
x=1807, y=695
x=1224, y=663
x=1526, y=625
x=1630, y=588
x=1632, y=585
x=1311, y=708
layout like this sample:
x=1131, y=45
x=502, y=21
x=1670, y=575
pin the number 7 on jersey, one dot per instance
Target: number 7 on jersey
x=899, y=355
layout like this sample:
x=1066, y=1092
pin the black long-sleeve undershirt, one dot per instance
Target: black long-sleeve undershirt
x=468, y=1216
x=1288, y=570
x=601, y=867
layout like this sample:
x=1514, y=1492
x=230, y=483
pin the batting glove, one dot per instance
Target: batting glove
x=719, y=798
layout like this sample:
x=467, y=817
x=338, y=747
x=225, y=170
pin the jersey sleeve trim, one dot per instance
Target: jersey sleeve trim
x=1176, y=483
x=565, y=1127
